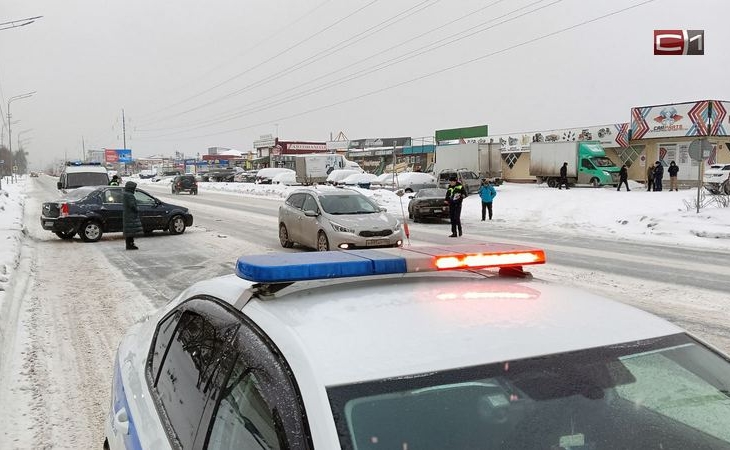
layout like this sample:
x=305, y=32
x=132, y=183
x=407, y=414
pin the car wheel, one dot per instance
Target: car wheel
x=65, y=234
x=195, y=192
x=595, y=183
x=323, y=244
x=416, y=218
x=90, y=231
x=551, y=182
x=284, y=237
x=177, y=225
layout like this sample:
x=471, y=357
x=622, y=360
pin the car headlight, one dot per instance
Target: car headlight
x=341, y=229
x=607, y=173
x=398, y=225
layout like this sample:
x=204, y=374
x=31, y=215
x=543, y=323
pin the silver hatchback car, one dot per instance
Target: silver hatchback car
x=327, y=218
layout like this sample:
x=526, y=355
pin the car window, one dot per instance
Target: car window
x=86, y=179
x=143, y=199
x=198, y=352
x=295, y=200
x=586, y=164
x=243, y=420
x=310, y=204
x=113, y=196
x=161, y=342
x=347, y=204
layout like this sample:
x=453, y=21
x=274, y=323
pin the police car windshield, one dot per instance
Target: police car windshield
x=669, y=393
x=74, y=180
x=347, y=204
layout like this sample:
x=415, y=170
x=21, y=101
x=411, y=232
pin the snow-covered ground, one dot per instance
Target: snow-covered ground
x=661, y=217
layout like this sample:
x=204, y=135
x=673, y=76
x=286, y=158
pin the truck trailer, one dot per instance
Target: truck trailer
x=483, y=159
x=587, y=163
x=314, y=168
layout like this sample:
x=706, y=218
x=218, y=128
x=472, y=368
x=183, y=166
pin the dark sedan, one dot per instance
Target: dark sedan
x=428, y=204
x=92, y=211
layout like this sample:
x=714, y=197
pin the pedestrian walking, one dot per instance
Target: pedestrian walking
x=487, y=194
x=673, y=171
x=131, y=224
x=658, y=175
x=454, y=196
x=623, y=177
x=563, y=176
x=650, y=178
x=114, y=181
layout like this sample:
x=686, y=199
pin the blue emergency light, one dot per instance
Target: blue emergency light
x=290, y=267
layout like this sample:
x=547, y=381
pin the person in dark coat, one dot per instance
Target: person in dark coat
x=623, y=177
x=131, y=224
x=563, y=176
x=658, y=175
x=673, y=169
x=454, y=196
x=650, y=178
x=114, y=181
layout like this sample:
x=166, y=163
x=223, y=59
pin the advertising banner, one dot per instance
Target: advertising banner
x=461, y=134
x=124, y=155
x=117, y=155
x=613, y=135
x=363, y=144
x=675, y=120
x=720, y=121
x=110, y=155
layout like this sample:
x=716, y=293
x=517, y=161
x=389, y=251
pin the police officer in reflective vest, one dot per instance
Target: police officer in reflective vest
x=454, y=196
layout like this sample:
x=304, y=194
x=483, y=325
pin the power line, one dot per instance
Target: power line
x=428, y=75
x=281, y=73
x=271, y=58
x=237, y=113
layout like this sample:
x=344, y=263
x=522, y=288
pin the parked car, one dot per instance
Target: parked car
x=247, y=176
x=265, y=176
x=94, y=210
x=428, y=204
x=361, y=180
x=410, y=181
x=330, y=218
x=184, y=183
x=716, y=177
x=286, y=179
x=34, y=174
x=468, y=178
x=336, y=176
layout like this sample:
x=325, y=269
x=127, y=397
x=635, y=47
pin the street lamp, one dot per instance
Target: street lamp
x=10, y=134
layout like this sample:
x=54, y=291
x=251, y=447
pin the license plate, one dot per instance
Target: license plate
x=377, y=242
x=49, y=224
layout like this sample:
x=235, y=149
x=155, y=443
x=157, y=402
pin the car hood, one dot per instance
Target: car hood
x=716, y=172
x=364, y=221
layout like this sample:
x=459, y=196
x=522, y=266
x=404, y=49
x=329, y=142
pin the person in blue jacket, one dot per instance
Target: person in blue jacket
x=487, y=194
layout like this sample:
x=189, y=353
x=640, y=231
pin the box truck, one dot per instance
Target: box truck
x=587, y=163
x=315, y=168
x=482, y=159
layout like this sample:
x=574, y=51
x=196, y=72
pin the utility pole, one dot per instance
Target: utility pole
x=124, y=131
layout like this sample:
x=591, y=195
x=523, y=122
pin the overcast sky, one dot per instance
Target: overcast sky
x=191, y=75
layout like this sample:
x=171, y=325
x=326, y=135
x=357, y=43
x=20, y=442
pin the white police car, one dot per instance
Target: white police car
x=388, y=349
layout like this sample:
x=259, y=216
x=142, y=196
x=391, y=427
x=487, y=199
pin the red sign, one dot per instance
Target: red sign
x=111, y=156
x=679, y=42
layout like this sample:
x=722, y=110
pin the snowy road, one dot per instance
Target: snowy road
x=75, y=300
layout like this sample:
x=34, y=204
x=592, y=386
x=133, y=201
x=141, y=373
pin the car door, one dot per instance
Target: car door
x=309, y=225
x=291, y=214
x=152, y=214
x=260, y=406
x=189, y=361
x=111, y=209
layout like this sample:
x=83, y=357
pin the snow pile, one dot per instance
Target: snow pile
x=11, y=228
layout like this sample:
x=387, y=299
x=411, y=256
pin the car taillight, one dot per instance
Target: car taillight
x=64, y=210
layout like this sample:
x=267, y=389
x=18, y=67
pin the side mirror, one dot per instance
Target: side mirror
x=410, y=196
x=310, y=213
x=59, y=185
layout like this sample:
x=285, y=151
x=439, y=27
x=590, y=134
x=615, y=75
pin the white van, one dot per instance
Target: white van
x=79, y=174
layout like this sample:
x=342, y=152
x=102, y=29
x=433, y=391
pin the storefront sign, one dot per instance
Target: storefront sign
x=380, y=142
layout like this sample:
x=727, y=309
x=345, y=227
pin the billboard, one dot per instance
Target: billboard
x=461, y=134
x=613, y=135
x=363, y=144
x=703, y=118
x=123, y=155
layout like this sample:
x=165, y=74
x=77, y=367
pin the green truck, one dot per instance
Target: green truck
x=587, y=163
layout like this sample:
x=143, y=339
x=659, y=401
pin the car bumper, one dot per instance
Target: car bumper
x=188, y=219
x=349, y=241
x=60, y=224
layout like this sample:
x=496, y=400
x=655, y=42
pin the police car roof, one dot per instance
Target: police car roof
x=356, y=330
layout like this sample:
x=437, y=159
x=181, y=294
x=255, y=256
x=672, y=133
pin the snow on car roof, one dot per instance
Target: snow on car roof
x=390, y=327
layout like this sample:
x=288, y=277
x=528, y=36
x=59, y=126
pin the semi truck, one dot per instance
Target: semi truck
x=587, y=163
x=315, y=168
x=484, y=159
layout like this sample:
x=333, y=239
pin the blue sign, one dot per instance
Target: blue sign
x=124, y=155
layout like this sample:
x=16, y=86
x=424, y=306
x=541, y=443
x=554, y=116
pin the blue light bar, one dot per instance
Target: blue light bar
x=288, y=267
